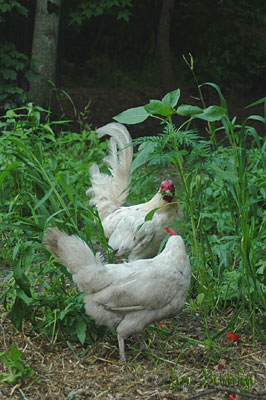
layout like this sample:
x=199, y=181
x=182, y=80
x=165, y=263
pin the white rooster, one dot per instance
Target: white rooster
x=125, y=227
x=127, y=296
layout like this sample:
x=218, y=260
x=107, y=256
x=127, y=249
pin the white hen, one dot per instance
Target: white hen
x=126, y=296
x=109, y=192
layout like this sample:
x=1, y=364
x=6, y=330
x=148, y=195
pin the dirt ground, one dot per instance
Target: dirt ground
x=157, y=368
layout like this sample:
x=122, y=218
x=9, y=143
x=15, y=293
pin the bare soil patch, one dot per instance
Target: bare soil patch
x=157, y=368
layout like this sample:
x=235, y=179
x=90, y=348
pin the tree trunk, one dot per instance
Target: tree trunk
x=167, y=78
x=44, y=49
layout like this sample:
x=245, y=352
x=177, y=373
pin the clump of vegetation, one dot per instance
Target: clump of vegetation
x=43, y=179
x=17, y=368
x=223, y=199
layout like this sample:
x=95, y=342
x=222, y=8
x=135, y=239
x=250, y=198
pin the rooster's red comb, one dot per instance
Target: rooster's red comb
x=168, y=230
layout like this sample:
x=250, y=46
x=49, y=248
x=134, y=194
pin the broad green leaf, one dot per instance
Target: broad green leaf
x=15, y=353
x=22, y=280
x=81, y=330
x=212, y=113
x=158, y=107
x=18, y=312
x=171, y=98
x=185, y=110
x=16, y=367
x=132, y=116
x=28, y=256
x=143, y=156
x=150, y=214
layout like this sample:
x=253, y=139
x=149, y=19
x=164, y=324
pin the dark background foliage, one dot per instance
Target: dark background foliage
x=103, y=45
x=226, y=40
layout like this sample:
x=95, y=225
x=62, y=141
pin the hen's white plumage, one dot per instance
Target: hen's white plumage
x=108, y=192
x=126, y=296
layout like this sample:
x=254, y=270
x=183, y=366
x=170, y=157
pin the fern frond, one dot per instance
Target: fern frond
x=145, y=139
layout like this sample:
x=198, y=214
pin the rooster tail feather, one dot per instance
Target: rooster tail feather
x=108, y=192
x=71, y=251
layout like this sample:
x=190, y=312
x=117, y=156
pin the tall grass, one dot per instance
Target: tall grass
x=43, y=179
x=223, y=199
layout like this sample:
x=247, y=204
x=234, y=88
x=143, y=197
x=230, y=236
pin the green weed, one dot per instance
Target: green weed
x=43, y=179
x=223, y=198
x=17, y=368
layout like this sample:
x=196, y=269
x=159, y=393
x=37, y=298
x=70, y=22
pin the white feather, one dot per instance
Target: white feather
x=108, y=193
x=127, y=296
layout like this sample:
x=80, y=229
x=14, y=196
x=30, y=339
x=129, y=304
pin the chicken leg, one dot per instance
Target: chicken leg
x=121, y=345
